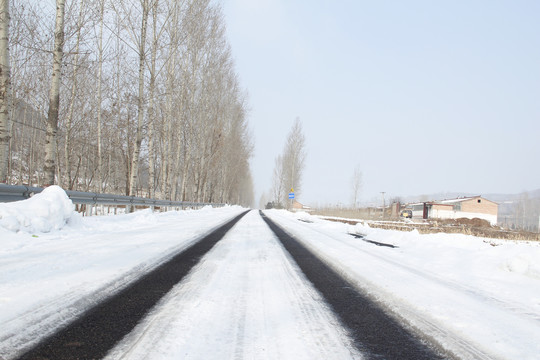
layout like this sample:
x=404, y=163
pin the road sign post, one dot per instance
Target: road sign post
x=291, y=197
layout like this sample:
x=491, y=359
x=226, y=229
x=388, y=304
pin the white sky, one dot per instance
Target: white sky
x=425, y=96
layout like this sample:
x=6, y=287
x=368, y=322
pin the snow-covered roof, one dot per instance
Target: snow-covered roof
x=451, y=201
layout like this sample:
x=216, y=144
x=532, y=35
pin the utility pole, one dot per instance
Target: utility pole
x=383, y=204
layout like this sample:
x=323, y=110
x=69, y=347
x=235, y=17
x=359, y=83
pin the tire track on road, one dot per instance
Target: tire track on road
x=246, y=299
x=376, y=334
x=93, y=334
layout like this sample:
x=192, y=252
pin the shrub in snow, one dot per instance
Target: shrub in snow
x=49, y=210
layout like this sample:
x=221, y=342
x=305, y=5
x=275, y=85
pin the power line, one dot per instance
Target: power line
x=25, y=124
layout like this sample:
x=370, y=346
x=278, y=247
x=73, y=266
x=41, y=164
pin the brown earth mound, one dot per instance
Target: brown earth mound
x=476, y=222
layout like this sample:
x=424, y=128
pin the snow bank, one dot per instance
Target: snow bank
x=518, y=257
x=49, y=210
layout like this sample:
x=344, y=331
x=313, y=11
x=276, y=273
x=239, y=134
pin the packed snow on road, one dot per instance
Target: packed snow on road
x=246, y=298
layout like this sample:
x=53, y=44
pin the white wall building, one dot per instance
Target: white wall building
x=469, y=207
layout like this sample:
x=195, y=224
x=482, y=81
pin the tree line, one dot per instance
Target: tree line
x=123, y=96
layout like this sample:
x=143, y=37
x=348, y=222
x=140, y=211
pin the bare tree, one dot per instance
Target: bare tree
x=152, y=118
x=278, y=181
x=140, y=100
x=289, y=166
x=356, y=181
x=294, y=156
x=5, y=90
x=99, y=95
x=526, y=212
x=183, y=97
x=54, y=96
x=74, y=91
x=173, y=107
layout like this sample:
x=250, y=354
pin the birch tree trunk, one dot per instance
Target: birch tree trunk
x=151, y=111
x=172, y=110
x=140, y=103
x=69, y=120
x=54, y=96
x=5, y=90
x=99, y=104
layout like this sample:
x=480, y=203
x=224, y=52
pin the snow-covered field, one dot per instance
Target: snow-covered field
x=247, y=298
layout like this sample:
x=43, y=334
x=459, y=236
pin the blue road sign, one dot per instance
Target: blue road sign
x=291, y=195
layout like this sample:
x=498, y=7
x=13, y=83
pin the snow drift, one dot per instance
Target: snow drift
x=49, y=210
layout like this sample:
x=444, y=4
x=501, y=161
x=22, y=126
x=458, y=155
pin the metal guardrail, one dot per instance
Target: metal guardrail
x=9, y=193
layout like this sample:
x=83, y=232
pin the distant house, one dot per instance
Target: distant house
x=467, y=207
x=300, y=207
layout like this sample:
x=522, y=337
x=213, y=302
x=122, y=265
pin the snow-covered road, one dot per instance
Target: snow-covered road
x=476, y=297
x=49, y=278
x=248, y=299
x=245, y=300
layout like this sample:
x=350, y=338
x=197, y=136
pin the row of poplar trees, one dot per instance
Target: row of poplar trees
x=123, y=96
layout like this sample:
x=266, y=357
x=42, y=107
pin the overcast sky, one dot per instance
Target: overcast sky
x=424, y=96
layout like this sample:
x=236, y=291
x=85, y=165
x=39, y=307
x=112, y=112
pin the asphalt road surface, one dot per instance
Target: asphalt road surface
x=98, y=330
x=374, y=334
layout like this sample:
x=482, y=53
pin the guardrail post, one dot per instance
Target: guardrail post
x=131, y=206
x=26, y=193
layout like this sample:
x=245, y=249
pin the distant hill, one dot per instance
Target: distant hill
x=534, y=194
